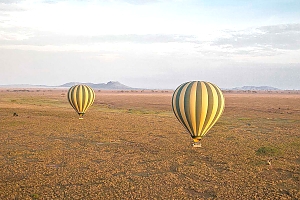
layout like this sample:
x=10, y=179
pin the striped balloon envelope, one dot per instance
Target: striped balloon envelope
x=198, y=105
x=81, y=97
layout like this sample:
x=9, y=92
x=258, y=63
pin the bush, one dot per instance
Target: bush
x=35, y=196
x=268, y=151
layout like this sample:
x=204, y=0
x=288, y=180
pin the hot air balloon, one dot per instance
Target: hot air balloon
x=198, y=105
x=81, y=97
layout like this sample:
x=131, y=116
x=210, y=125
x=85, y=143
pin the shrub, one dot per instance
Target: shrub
x=268, y=151
x=35, y=196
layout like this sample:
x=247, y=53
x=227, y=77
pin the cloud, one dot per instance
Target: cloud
x=10, y=6
x=138, y=2
x=281, y=37
x=134, y=2
x=86, y=18
x=10, y=31
x=286, y=37
x=265, y=44
x=10, y=1
x=47, y=38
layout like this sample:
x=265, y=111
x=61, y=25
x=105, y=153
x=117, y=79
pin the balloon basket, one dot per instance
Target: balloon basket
x=196, y=144
x=81, y=115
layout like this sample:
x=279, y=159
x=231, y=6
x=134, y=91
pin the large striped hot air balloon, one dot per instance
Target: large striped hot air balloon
x=81, y=97
x=198, y=105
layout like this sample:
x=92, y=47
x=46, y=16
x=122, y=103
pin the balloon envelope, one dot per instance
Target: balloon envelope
x=81, y=97
x=198, y=105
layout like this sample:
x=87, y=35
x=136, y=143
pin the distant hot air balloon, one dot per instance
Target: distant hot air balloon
x=198, y=105
x=81, y=97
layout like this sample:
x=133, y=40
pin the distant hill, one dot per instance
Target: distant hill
x=70, y=84
x=115, y=85
x=24, y=86
x=111, y=85
x=258, y=88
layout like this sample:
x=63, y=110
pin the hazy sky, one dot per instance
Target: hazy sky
x=151, y=43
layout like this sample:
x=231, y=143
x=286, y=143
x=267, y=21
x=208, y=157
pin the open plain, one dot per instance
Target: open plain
x=130, y=146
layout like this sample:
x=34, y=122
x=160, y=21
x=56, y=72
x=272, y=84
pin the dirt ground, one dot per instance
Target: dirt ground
x=131, y=146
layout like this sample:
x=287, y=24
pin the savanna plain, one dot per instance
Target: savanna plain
x=131, y=146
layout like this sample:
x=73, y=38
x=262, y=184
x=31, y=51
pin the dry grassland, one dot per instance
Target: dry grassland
x=130, y=146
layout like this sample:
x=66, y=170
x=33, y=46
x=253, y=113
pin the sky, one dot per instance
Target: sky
x=155, y=44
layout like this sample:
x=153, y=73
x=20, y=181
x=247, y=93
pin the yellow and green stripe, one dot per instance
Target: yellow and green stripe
x=81, y=97
x=198, y=105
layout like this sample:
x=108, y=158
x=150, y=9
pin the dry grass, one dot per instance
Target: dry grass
x=130, y=146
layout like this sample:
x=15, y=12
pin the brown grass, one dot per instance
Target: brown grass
x=131, y=146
